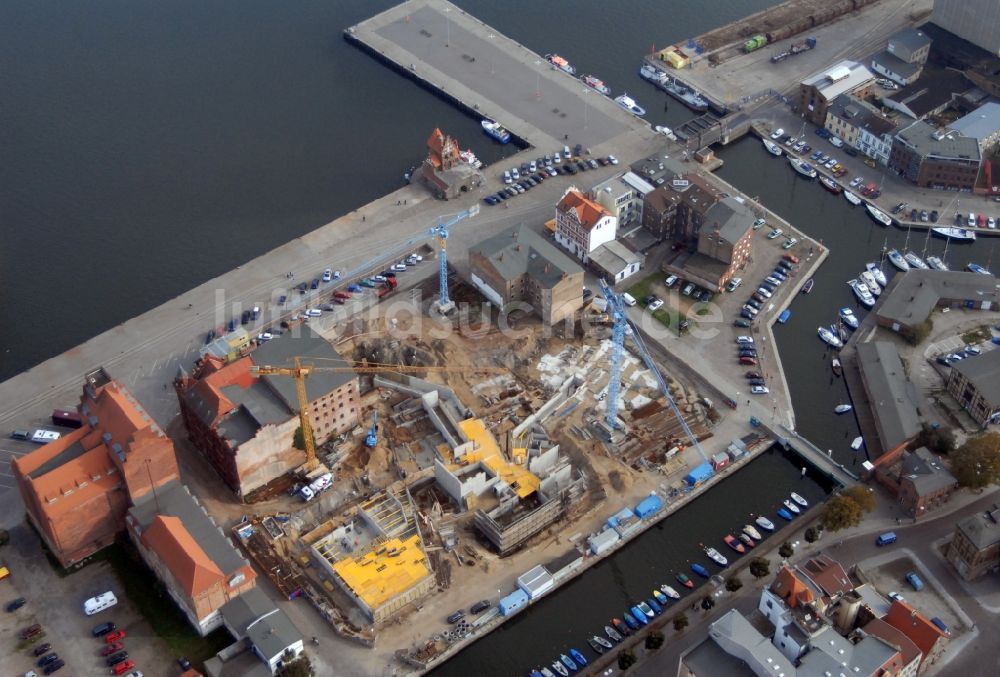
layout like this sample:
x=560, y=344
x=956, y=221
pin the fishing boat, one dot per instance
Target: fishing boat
x=896, y=259
x=936, y=263
x=976, y=268
x=829, y=337
x=747, y=540
x=599, y=644
x=836, y=367
x=849, y=318
x=629, y=104
x=915, y=261
x=878, y=214
x=654, y=75
x=858, y=441
x=765, y=523
x=808, y=286
x=547, y=673
x=618, y=626
x=733, y=543
x=798, y=499
x=791, y=506
x=785, y=315
x=560, y=668
x=952, y=233
x=751, y=532
x=596, y=83
x=655, y=606
x=660, y=597
x=495, y=130
x=682, y=93
x=877, y=273
x=568, y=662
x=831, y=185
x=785, y=515
x=613, y=634
x=646, y=609
x=716, y=557
x=560, y=63
x=669, y=592
x=700, y=570
x=639, y=615
x=772, y=148
x=862, y=293
x=685, y=581
x=852, y=198
x=803, y=167
x=630, y=620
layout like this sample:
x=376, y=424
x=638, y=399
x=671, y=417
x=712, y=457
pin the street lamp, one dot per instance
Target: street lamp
x=447, y=20
x=493, y=56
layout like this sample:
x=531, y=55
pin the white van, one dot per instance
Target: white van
x=98, y=604
x=627, y=298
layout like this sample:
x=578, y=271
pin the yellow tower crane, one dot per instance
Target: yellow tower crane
x=299, y=373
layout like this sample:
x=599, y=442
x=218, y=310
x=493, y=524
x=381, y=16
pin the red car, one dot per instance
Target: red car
x=123, y=667
x=342, y=295
x=116, y=636
x=114, y=647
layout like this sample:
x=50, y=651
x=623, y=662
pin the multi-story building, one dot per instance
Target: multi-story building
x=975, y=383
x=676, y=209
x=78, y=488
x=445, y=173
x=518, y=265
x=623, y=196
x=583, y=225
x=859, y=124
x=245, y=424
x=724, y=245
x=817, y=92
x=983, y=125
x=936, y=158
x=888, y=388
x=918, y=480
x=975, y=546
x=904, y=57
x=977, y=21
x=910, y=299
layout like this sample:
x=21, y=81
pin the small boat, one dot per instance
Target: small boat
x=630, y=620
x=785, y=515
x=639, y=615
x=842, y=408
x=646, y=609
x=670, y=592
x=685, y=581
x=772, y=148
x=877, y=273
x=747, y=540
x=785, y=314
x=547, y=673
x=852, y=198
x=976, y=268
x=495, y=130
x=560, y=63
x=716, y=557
x=862, y=293
x=803, y=167
x=896, y=259
x=798, y=499
x=647, y=72
x=569, y=662
x=836, y=366
x=952, y=233
x=629, y=104
x=700, y=570
x=751, y=532
x=808, y=286
x=841, y=331
x=829, y=338
x=878, y=214
x=665, y=131
x=578, y=657
x=655, y=606
x=536, y=673
x=849, y=318
x=764, y=523
x=936, y=263
x=468, y=157
x=660, y=597
x=560, y=668
x=915, y=261
x=871, y=283
x=830, y=185
x=596, y=83
x=791, y=506
x=858, y=441
x=603, y=642
x=613, y=634
x=597, y=646
x=682, y=93
x=620, y=626
x=733, y=543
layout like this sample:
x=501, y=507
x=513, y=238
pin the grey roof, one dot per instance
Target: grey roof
x=929, y=141
x=838, y=79
x=911, y=297
x=983, y=371
x=890, y=392
x=519, y=250
x=174, y=499
x=911, y=38
x=243, y=664
x=708, y=658
x=926, y=472
x=982, y=529
x=273, y=634
x=832, y=654
x=980, y=123
x=893, y=63
x=240, y=612
x=860, y=114
x=613, y=257
x=733, y=628
x=731, y=217
x=258, y=406
x=314, y=351
x=934, y=89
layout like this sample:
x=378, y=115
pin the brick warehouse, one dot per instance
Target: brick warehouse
x=77, y=489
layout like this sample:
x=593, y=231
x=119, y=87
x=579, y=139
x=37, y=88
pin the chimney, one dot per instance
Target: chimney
x=517, y=247
x=546, y=268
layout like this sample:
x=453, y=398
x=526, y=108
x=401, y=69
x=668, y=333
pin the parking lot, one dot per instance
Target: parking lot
x=519, y=179
x=890, y=578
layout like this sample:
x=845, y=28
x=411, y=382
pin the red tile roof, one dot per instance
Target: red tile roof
x=914, y=625
x=790, y=589
x=828, y=575
x=895, y=638
x=587, y=212
x=191, y=567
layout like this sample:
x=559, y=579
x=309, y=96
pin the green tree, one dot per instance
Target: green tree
x=299, y=440
x=863, y=496
x=786, y=550
x=759, y=567
x=976, y=464
x=940, y=440
x=840, y=513
x=707, y=603
x=812, y=535
x=626, y=659
x=300, y=667
x=654, y=640
x=680, y=621
x=734, y=584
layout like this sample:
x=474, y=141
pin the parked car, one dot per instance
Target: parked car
x=117, y=658
x=112, y=648
x=116, y=636
x=42, y=649
x=759, y=390
x=103, y=629
x=741, y=323
x=54, y=667
x=480, y=606
x=456, y=617
x=655, y=305
x=15, y=604
x=123, y=667
x=47, y=659
x=913, y=579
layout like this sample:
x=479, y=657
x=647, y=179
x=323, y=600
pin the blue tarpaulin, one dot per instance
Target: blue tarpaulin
x=648, y=506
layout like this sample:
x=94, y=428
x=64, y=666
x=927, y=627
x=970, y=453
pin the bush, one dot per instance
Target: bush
x=786, y=550
x=654, y=640
x=759, y=567
x=734, y=584
x=300, y=667
x=680, y=621
x=812, y=535
x=940, y=440
x=707, y=603
x=626, y=659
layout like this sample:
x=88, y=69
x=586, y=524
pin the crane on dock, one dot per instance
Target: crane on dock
x=299, y=372
x=617, y=306
x=441, y=231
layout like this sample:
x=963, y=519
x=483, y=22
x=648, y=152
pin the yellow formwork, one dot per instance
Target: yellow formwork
x=392, y=568
x=487, y=450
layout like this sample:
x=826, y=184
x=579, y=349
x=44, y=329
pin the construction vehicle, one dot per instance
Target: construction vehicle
x=371, y=439
x=300, y=372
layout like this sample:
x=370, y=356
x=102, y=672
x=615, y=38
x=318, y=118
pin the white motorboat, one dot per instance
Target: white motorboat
x=876, y=271
x=791, y=506
x=936, y=263
x=764, y=523
x=772, y=148
x=829, y=337
x=665, y=131
x=849, y=318
x=629, y=104
x=647, y=72
x=803, y=168
x=856, y=444
x=976, y=268
x=870, y=282
x=862, y=293
x=896, y=259
x=798, y=499
x=495, y=130
x=716, y=556
x=878, y=214
x=842, y=408
x=669, y=592
x=915, y=261
x=852, y=198
x=752, y=533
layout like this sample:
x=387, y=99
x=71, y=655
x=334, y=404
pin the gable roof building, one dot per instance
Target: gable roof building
x=909, y=299
x=917, y=627
x=892, y=395
x=975, y=383
x=255, y=622
x=982, y=124
x=818, y=91
x=582, y=224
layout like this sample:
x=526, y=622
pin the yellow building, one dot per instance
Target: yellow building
x=674, y=57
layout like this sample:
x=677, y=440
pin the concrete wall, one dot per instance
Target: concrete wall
x=268, y=455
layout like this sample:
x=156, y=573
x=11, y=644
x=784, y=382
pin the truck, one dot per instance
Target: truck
x=754, y=43
x=796, y=48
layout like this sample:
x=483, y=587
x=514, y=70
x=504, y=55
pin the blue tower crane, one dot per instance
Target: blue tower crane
x=617, y=306
x=441, y=231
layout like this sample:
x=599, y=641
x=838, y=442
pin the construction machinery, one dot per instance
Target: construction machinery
x=371, y=439
x=441, y=231
x=300, y=372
